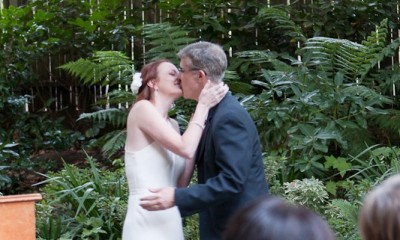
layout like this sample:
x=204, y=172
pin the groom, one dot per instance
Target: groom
x=229, y=162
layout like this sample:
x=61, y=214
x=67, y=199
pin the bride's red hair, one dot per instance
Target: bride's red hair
x=149, y=72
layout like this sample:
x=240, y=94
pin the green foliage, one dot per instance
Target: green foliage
x=34, y=131
x=340, y=164
x=276, y=171
x=342, y=216
x=191, y=227
x=104, y=68
x=279, y=19
x=117, y=117
x=164, y=41
x=317, y=79
x=352, y=20
x=313, y=108
x=112, y=142
x=92, y=203
x=6, y=152
x=113, y=70
x=388, y=123
x=354, y=60
x=4, y=178
x=25, y=133
x=376, y=163
x=309, y=192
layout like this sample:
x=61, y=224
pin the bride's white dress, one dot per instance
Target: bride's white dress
x=151, y=167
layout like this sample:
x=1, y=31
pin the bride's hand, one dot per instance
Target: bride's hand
x=212, y=94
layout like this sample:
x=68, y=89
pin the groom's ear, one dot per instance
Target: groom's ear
x=202, y=77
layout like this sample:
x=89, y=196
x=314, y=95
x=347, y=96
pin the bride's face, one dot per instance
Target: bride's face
x=169, y=82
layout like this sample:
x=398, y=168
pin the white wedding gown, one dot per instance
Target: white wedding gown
x=151, y=167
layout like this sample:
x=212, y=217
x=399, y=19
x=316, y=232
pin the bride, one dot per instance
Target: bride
x=156, y=154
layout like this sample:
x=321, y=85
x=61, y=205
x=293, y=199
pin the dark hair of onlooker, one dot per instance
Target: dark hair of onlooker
x=379, y=218
x=271, y=218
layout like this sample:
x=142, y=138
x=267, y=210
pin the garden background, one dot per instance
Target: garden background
x=319, y=77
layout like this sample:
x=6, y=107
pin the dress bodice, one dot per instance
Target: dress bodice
x=152, y=167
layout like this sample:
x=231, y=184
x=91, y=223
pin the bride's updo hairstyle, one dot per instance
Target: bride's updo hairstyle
x=149, y=73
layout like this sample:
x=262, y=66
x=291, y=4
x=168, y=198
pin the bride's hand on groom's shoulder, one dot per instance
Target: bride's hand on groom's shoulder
x=162, y=198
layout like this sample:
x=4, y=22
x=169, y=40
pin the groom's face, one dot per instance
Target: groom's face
x=190, y=80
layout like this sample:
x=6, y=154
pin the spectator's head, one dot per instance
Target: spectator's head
x=379, y=217
x=270, y=218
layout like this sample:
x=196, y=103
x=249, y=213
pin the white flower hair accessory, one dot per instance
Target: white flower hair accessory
x=136, y=82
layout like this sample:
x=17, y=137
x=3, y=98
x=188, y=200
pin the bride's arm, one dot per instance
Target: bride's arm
x=150, y=121
x=153, y=124
x=187, y=173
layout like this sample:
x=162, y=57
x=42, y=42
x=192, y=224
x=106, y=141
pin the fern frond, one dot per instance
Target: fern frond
x=164, y=40
x=260, y=57
x=346, y=209
x=81, y=68
x=333, y=55
x=117, y=96
x=117, y=117
x=104, y=67
x=390, y=121
x=368, y=94
x=282, y=22
x=376, y=48
x=388, y=51
x=387, y=80
x=113, y=142
x=353, y=59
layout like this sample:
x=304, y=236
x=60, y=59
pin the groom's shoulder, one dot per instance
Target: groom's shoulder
x=232, y=103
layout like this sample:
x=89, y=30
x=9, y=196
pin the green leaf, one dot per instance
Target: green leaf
x=331, y=187
x=340, y=164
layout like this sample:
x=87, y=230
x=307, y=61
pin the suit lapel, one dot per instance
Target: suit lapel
x=206, y=132
x=205, y=135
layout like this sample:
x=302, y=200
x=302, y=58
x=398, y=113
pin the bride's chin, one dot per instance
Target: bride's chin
x=178, y=94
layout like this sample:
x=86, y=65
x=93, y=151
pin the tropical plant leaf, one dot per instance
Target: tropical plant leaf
x=164, y=40
x=112, y=142
x=104, y=68
x=115, y=116
x=281, y=20
x=353, y=59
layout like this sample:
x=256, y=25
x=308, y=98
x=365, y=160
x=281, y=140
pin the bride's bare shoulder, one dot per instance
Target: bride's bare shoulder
x=142, y=105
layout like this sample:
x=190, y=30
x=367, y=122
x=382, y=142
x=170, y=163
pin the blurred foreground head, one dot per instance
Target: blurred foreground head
x=379, y=217
x=271, y=218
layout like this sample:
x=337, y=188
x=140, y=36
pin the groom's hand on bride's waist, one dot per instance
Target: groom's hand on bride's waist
x=162, y=198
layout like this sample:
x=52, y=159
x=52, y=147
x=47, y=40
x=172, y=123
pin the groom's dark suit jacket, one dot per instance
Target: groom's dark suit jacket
x=230, y=169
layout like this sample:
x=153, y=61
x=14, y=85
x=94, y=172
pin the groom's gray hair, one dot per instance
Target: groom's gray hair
x=206, y=56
